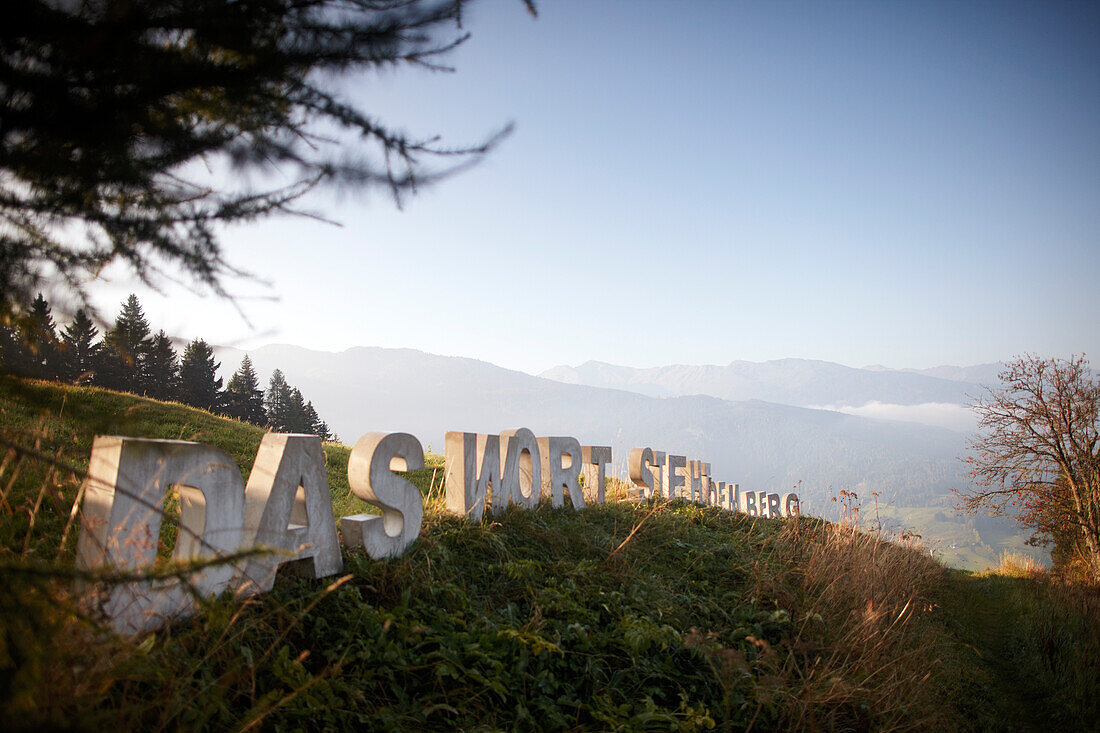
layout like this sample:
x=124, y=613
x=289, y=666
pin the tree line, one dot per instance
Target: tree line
x=131, y=358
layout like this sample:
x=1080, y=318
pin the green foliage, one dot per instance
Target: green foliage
x=626, y=616
x=243, y=398
x=125, y=346
x=80, y=348
x=113, y=111
x=289, y=412
x=199, y=385
x=1033, y=651
x=30, y=347
x=161, y=369
x=277, y=401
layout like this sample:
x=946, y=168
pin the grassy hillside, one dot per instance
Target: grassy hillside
x=650, y=616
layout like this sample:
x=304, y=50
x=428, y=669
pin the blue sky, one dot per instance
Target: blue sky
x=909, y=184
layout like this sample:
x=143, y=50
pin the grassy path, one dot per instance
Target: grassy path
x=992, y=689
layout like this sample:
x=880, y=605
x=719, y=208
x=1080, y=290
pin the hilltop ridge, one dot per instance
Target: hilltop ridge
x=626, y=615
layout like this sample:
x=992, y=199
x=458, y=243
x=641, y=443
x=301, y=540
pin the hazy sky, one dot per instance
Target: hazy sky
x=909, y=184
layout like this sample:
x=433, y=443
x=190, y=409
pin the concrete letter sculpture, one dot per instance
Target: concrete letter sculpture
x=124, y=492
x=721, y=493
x=694, y=470
x=673, y=477
x=773, y=505
x=657, y=468
x=519, y=450
x=556, y=475
x=288, y=508
x=638, y=467
x=732, y=499
x=370, y=475
x=711, y=489
x=595, y=459
x=473, y=465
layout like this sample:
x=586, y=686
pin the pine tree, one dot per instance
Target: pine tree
x=317, y=426
x=15, y=358
x=243, y=397
x=79, y=348
x=161, y=369
x=38, y=332
x=125, y=347
x=199, y=384
x=277, y=402
x=297, y=419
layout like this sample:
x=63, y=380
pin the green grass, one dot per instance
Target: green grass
x=60, y=421
x=627, y=616
x=956, y=541
x=1031, y=653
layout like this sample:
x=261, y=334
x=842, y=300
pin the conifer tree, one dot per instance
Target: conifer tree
x=161, y=369
x=38, y=333
x=14, y=356
x=297, y=418
x=317, y=426
x=79, y=348
x=125, y=347
x=199, y=385
x=277, y=402
x=243, y=398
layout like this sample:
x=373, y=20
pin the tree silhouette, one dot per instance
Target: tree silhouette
x=1037, y=456
x=243, y=398
x=111, y=113
x=277, y=403
x=161, y=369
x=199, y=384
x=38, y=334
x=79, y=349
x=317, y=426
x=125, y=346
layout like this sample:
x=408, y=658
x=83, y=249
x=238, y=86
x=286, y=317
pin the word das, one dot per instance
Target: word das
x=286, y=508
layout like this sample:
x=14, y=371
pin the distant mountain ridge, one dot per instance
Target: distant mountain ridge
x=801, y=382
x=756, y=443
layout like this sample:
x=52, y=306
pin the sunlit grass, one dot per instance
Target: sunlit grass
x=630, y=615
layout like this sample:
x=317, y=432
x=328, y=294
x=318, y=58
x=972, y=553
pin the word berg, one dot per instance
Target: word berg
x=236, y=536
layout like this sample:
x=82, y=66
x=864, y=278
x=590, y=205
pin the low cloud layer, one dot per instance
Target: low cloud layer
x=939, y=414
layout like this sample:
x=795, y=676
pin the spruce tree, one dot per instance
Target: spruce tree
x=79, y=348
x=15, y=358
x=161, y=369
x=38, y=332
x=125, y=347
x=243, y=398
x=317, y=426
x=297, y=419
x=199, y=384
x=277, y=402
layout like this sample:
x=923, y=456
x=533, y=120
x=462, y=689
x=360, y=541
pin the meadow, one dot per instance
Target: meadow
x=633, y=615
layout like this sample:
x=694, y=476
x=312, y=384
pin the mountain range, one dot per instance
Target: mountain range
x=740, y=426
x=801, y=382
